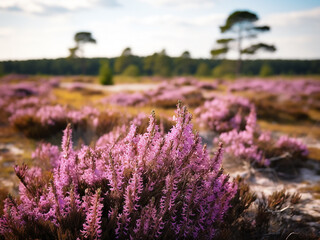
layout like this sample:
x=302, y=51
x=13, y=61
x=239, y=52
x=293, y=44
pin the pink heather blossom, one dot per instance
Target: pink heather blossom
x=92, y=226
x=130, y=186
x=46, y=152
x=257, y=146
x=292, y=144
x=223, y=113
x=290, y=87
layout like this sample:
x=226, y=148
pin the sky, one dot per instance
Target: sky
x=35, y=29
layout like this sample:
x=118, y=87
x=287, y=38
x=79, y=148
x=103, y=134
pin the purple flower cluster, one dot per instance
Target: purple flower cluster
x=223, y=113
x=187, y=90
x=24, y=89
x=47, y=153
x=185, y=81
x=257, y=146
x=243, y=143
x=27, y=92
x=126, y=99
x=280, y=87
x=292, y=145
x=50, y=115
x=132, y=187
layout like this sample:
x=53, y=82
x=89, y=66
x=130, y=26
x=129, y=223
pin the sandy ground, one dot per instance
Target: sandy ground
x=113, y=88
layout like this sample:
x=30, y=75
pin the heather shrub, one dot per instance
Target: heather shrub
x=223, y=113
x=187, y=81
x=287, y=152
x=126, y=99
x=271, y=108
x=136, y=187
x=40, y=121
x=258, y=147
x=3, y=196
x=164, y=123
x=46, y=155
x=282, y=100
x=288, y=88
x=108, y=120
x=167, y=98
x=166, y=95
x=32, y=126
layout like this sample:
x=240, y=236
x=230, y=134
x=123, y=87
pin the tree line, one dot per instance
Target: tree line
x=160, y=64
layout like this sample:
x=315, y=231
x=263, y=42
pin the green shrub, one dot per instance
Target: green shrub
x=265, y=71
x=105, y=74
x=225, y=69
x=203, y=70
x=132, y=70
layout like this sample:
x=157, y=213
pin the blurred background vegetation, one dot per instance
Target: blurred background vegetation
x=160, y=64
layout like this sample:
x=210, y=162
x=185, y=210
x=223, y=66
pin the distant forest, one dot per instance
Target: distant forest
x=160, y=65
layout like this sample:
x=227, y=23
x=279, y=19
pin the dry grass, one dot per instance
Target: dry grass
x=295, y=130
x=75, y=98
x=314, y=153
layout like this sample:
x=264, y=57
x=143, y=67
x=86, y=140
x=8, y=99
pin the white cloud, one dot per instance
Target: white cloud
x=181, y=3
x=47, y=6
x=296, y=17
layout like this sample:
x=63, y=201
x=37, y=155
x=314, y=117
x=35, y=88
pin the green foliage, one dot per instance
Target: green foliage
x=162, y=64
x=238, y=18
x=146, y=65
x=80, y=39
x=219, y=51
x=186, y=54
x=225, y=69
x=132, y=70
x=184, y=65
x=203, y=69
x=105, y=74
x=265, y=71
x=255, y=47
x=1, y=69
x=123, y=61
x=84, y=37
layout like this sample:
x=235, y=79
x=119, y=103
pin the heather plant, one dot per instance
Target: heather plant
x=46, y=155
x=258, y=147
x=282, y=100
x=185, y=81
x=126, y=99
x=38, y=121
x=27, y=89
x=280, y=87
x=137, y=186
x=166, y=95
x=28, y=102
x=223, y=113
x=289, y=99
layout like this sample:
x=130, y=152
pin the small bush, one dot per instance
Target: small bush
x=132, y=70
x=265, y=71
x=105, y=74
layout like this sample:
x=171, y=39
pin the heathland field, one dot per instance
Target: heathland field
x=148, y=157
